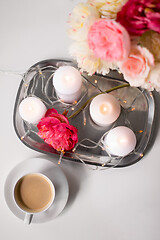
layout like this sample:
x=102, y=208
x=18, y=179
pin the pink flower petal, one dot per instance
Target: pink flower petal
x=137, y=66
x=109, y=40
x=139, y=16
x=56, y=131
x=50, y=112
x=53, y=113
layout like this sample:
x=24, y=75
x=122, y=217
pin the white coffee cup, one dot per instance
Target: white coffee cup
x=33, y=193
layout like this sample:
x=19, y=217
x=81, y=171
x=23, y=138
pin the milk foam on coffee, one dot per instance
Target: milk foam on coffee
x=34, y=193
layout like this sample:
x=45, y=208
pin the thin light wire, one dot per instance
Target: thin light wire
x=100, y=143
x=9, y=72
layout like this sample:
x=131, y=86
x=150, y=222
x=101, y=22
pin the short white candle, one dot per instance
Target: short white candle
x=104, y=109
x=120, y=141
x=32, y=109
x=67, y=82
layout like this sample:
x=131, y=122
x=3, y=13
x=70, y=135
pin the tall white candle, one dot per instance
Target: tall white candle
x=104, y=109
x=67, y=82
x=32, y=109
x=120, y=141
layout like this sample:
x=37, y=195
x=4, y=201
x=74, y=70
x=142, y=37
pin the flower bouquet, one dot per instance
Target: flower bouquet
x=118, y=35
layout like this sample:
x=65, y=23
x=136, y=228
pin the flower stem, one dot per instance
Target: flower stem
x=107, y=91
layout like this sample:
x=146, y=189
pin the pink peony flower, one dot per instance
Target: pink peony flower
x=53, y=113
x=138, y=16
x=54, y=128
x=108, y=40
x=137, y=66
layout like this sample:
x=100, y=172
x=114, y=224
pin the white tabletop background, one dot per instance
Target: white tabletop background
x=116, y=204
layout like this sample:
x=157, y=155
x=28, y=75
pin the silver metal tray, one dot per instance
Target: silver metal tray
x=140, y=111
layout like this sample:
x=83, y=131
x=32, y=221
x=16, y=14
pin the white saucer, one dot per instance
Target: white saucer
x=53, y=172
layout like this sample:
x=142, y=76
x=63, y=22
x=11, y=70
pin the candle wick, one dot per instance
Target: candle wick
x=29, y=108
x=68, y=80
x=123, y=140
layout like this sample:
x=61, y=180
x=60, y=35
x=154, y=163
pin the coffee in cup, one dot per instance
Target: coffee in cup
x=34, y=193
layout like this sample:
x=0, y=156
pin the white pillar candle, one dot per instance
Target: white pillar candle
x=67, y=82
x=32, y=109
x=120, y=141
x=104, y=109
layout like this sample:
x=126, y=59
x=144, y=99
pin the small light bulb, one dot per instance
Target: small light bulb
x=74, y=102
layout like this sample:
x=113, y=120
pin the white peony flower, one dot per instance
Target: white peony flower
x=80, y=20
x=105, y=67
x=87, y=61
x=153, y=80
x=108, y=8
x=84, y=57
